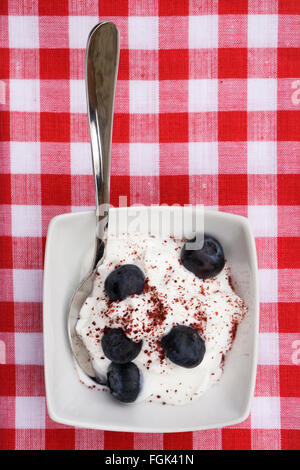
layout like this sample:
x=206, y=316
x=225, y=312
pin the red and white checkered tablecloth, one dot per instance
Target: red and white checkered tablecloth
x=207, y=111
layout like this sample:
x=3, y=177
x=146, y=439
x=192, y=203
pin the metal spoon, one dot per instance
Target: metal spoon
x=101, y=62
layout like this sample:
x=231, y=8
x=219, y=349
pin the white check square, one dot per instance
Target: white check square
x=144, y=159
x=79, y=30
x=265, y=413
x=143, y=32
x=143, y=96
x=203, y=95
x=262, y=157
x=26, y=221
x=262, y=30
x=263, y=220
x=203, y=32
x=24, y=95
x=25, y=158
x=268, y=349
x=268, y=285
x=29, y=348
x=81, y=159
x=203, y=158
x=262, y=94
x=30, y=412
x=28, y=285
x=23, y=32
x=78, y=96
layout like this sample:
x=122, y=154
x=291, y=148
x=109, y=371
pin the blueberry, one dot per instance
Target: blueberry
x=184, y=346
x=124, y=281
x=206, y=262
x=124, y=381
x=117, y=347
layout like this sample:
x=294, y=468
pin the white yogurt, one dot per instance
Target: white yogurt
x=172, y=296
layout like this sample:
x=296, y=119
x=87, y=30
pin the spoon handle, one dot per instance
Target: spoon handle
x=101, y=62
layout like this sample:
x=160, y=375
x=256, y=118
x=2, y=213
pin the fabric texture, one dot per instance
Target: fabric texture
x=207, y=111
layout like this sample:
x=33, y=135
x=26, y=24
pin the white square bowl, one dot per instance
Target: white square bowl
x=70, y=237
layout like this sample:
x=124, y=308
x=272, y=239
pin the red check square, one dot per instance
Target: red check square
x=233, y=190
x=60, y=439
x=4, y=64
x=53, y=8
x=123, y=72
x=7, y=317
x=288, y=253
x=288, y=193
x=54, y=63
x=233, y=7
x=56, y=190
x=173, y=8
x=6, y=260
x=289, y=317
x=5, y=185
x=4, y=7
x=289, y=380
x=236, y=439
x=288, y=62
x=7, y=439
x=232, y=62
x=174, y=64
x=173, y=127
x=177, y=441
x=288, y=125
x=55, y=127
x=121, y=128
x=5, y=126
x=174, y=189
x=118, y=440
x=120, y=187
x=7, y=380
x=113, y=8
x=289, y=7
x=232, y=126
x=290, y=439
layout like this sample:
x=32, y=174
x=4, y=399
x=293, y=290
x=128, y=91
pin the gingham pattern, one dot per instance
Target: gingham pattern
x=207, y=111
